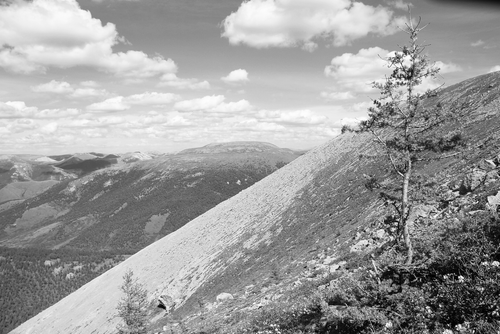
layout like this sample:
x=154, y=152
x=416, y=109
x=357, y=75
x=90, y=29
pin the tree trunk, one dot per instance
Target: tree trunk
x=404, y=215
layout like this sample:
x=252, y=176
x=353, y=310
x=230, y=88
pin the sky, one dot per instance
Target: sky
x=117, y=76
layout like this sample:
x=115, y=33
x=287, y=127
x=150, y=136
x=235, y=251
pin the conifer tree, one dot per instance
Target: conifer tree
x=405, y=127
x=132, y=308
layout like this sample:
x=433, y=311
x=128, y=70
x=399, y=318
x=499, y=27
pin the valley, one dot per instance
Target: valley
x=120, y=206
x=297, y=250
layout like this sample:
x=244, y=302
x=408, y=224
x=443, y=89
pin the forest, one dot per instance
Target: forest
x=34, y=279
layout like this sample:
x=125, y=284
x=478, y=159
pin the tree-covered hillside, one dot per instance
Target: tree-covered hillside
x=33, y=279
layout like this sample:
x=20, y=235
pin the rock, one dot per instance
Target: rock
x=328, y=260
x=337, y=266
x=449, y=195
x=379, y=234
x=166, y=302
x=422, y=211
x=473, y=180
x=489, y=163
x=491, y=176
x=224, y=297
x=360, y=246
x=494, y=201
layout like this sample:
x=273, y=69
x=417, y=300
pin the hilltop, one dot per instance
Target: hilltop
x=304, y=229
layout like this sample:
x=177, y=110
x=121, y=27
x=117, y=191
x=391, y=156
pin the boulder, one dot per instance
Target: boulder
x=222, y=297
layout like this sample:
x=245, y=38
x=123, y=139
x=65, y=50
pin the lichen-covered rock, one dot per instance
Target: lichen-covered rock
x=361, y=246
x=494, y=201
x=473, y=180
x=222, y=297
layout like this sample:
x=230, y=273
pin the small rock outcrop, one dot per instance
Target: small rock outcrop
x=166, y=302
x=224, y=297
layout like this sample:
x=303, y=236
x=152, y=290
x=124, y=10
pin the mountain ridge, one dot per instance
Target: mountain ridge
x=317, y=204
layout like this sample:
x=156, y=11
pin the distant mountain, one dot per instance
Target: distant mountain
x=119, y=204
x=273, y=242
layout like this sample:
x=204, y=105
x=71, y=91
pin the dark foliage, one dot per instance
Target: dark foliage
x=34, y=279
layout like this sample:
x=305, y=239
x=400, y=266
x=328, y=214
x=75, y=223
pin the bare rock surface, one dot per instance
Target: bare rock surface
x=181, y=262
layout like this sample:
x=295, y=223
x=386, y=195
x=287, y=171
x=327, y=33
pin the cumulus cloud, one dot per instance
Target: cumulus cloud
x=236, y=76
x=213, y=104
x=171, y=80
x=494, y=69
x=151, y=98
x=49, y=128
x=62, y=87
x=295, y=117
x=355, y=73
x=206, y=102
x=336, y=96
x=19, y=110
x=286, y=23
x=121, y=103
x=111, y=104
x=232, y=107
x=60, y=34
x=399, y=4
x=53, y=86
x=447, y=67
x=88, y=92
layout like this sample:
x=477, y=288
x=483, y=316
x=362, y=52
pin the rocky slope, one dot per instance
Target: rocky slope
x=126, y=206
x=307, y=216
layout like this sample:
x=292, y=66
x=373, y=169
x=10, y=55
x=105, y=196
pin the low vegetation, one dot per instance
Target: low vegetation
x=453, y=287
x=34, y=279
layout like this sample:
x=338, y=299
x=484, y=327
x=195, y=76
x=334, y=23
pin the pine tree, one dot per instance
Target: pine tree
x=405, y=127
x=132, y=308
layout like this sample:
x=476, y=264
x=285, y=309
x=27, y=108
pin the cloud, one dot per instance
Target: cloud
x=236, y=76
x=399, y=4
x=152, y=98
x=494, y=69
x=111, y=104
x=60, y=34
x=19, y=110
x=88, y=92
x=56, y=87
x=477, y=43
x=120, y=103
x=89, y=83
x=207, y=102
x=232, y=107
x=62, y=87
x=447, y=67
x=49, y=128
x=296, y=117
x=171, y=80
x=336, y=96
x=354, y=74
x=285, y=23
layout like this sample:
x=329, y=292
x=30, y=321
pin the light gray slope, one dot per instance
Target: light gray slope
x=181, y=262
